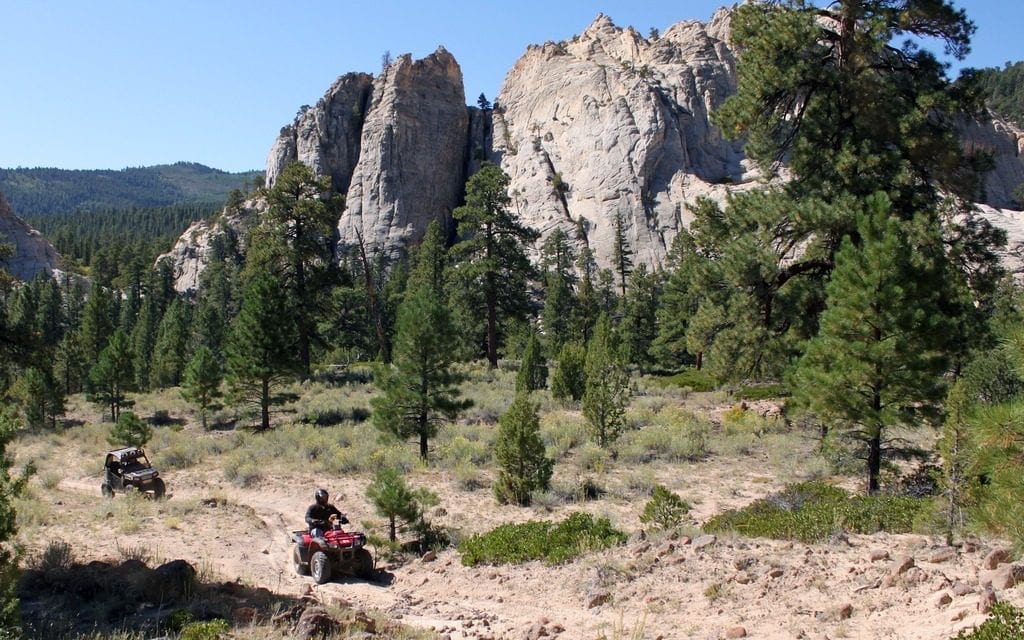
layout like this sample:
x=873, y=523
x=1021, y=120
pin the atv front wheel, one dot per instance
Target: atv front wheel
x=301, y=567
x=320, y=567
x=107, y=490
x=362, y=562
x=159, y=488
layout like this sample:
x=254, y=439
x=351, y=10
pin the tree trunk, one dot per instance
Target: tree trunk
x=391, y=530
x=874, y=462
x=265, y=404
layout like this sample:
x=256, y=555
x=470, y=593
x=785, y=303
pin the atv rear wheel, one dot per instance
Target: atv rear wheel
x=107, y=490
x=159, y=488
x=301, y=567
x=362, y=563
x=320, y=567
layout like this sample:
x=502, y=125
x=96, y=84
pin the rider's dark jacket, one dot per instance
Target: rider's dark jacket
x=318, y=515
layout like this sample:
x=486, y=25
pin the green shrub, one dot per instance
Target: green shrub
x=540, y=540
x=694, y=379
x=763, y=391
x=814, y=511
x=665, y=510
x=209, y=630
x=1005, y=623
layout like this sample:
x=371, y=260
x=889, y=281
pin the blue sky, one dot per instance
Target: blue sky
x=106, y=84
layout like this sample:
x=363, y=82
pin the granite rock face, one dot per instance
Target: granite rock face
x=613, y=126
x=32, y=255
x=325, y=137
x=609, y=128
x=412, y=159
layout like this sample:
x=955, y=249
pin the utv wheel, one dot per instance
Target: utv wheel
x=320, y=567
x=107, y=490
x=363, y=564
x=301, y=567
x=159, y=488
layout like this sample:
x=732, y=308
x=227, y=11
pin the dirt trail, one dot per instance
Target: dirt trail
x=660, y=588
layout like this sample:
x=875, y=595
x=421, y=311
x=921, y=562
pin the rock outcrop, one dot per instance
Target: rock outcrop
x=325, y=137
x=607, y=131
x=32, y=254
x=613, y=129
x=411, y=167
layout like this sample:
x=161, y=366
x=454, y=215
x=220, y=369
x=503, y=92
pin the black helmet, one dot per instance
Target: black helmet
x=321, y=496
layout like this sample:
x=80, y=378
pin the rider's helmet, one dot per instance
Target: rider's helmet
x=321, y=496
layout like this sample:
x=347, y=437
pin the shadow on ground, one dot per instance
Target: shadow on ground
x=79, y=600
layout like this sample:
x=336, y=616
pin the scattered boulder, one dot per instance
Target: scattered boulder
x=736, y=632
x=995, y=558
x=316, y=624
x=598, y=598
x=943, y=554
x=878, y=555
x=171, y=581
x=704, y=542
x=1005, y=576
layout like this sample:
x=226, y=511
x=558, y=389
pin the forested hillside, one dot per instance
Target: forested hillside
x=46, y=191
x=1004, y=90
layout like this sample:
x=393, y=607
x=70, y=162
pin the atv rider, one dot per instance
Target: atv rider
x=321, y=514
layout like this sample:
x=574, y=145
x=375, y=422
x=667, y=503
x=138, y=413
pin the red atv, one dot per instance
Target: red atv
x=338, y=552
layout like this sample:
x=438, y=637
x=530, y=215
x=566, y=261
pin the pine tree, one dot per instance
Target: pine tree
x=533, y=371
x=621, y=253
x=877, y=359
x=144, y=336
x=170, y=352
x=261, y=348
x=113, y=375
x=607, y=387
x=587, y=305
x=301, y=219
x=129, y=430
x=97, y=323
x=492, y=259
x=519, y=453
x=639, y=316
x=393, y=499
x=11, y=487
x=569, y=379
x=69, y=364
x=420, y=386
x=201, y=385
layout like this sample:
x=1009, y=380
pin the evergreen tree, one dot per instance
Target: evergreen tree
x=69, y=364
x=607, y=385
x=676, y=305
x=301, y=217
x=569, y=379
x=11, y=486
x=40, y=397
x=621, y=253
x=208, y=327
x=519, y=453
x=170, y=352
x=129, y=430
x=639, y=316
x=144, y=337
x=587, y=305
x=393, y=499
x=420, y=386
x=492, y=259
x=201, y=385
x=51, y=320
x=877, y=359
x=97, y=323
x=557, y=258
x=533, y=370
x=955, y=448
x=113, y=375
x=261, y=347
x=812, y=87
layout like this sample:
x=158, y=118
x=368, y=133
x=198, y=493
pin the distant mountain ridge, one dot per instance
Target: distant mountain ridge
x=46, y=191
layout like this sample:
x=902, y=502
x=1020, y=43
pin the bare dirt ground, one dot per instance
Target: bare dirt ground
x=679, y=586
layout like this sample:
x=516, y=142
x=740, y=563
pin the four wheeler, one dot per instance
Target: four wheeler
x=129, y=469
x=337, y=552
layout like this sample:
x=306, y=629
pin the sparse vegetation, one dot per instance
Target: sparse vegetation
x=541, y=540
x=814, y=511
